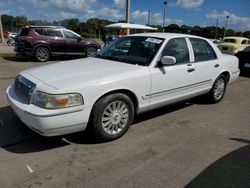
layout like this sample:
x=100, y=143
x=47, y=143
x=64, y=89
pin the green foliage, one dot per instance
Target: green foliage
x=94, y=28
x=20, y=21
x=246, y=34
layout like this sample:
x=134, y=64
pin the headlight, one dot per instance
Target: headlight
x=51, y=101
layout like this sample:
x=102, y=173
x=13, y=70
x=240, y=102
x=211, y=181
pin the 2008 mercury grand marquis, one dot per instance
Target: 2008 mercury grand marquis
x=132, y=75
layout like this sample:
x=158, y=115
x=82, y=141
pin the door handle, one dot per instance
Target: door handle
x=191, y=70
x=216, y=65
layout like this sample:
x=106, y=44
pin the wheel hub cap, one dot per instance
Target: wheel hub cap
x=219, y=89
x=115, y=117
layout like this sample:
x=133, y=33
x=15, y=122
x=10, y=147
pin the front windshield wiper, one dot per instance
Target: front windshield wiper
x=112, y=58
x=120, y=59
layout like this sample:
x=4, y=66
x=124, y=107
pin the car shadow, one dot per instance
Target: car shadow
x=15, y=137
x=161, y=111
x=232, y=170
x=18, y=58
x=85, y=137
x=18, y=138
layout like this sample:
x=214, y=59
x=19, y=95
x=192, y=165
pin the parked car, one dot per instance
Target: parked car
x=11, y=39
x=107, y=39
x=132, y=75
x=232, y=45
x=13, y=35
x=42, y=42
x=244, y=59
x=6, y=34
x=215, y=41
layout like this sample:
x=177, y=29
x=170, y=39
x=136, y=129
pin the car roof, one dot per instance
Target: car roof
x=237, y=38
x=166, y=35
x=43, y=26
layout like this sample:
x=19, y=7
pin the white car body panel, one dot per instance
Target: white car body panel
x=152, y=86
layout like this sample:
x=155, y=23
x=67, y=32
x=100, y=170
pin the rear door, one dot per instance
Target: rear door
x=205, y=63
x=54, y=39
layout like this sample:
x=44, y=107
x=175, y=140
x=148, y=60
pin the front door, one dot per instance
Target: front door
x=73, y=43
x=170, y=83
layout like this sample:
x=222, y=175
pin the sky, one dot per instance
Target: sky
x=181, y=12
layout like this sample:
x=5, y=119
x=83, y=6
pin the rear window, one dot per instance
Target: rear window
x=53, y=32
x=229, y=40
x=24, y=32
x=244, y=42
x=39, y=31
x=202, y=50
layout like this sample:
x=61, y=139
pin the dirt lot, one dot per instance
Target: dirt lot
x=192, y=144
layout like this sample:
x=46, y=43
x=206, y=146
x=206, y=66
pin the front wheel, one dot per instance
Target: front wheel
x=218, y=90
x=90, y=51
x=112, y=116
x=42, y=54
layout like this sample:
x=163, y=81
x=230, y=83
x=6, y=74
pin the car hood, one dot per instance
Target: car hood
x=74, y=73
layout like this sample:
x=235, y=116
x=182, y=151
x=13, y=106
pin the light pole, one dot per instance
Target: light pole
x=225, y=27
x=128, y=14
x=217, y=25
x=1, y=29
x=148, y=17
x=164, y=15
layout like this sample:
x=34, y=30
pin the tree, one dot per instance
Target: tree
x=20, y=21
x=246, y=34
x=7, y=22
x=73, y=24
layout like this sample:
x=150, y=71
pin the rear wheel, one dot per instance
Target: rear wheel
x=90, y=51
x=218, y=90
x=112, y=116
x=42, y=54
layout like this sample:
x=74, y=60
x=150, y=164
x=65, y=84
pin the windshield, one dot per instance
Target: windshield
x=133, y=50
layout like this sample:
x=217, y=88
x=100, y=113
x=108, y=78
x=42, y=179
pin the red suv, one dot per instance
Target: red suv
x=42, y=42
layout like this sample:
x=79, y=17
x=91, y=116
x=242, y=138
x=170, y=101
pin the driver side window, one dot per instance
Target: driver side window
x=177, y=48
x=70, y=35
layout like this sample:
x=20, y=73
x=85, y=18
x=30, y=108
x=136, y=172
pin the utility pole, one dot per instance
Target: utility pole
x=164, y=15
x=217, y=25
x=128, y=14
x=225, y=31
x=148, y=17
x=1, y=29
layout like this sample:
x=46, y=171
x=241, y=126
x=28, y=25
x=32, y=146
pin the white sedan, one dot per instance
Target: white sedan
x=132, y=75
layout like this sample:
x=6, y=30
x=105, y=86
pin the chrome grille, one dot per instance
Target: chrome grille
x=24, y=88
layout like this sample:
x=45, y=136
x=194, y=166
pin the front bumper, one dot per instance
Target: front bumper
x=49, y=122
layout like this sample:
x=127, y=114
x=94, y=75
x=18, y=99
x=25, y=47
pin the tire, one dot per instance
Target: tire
x=10, y=42
x=90, y=51
x=111, y=117
x=218, y=90
x=42, y=54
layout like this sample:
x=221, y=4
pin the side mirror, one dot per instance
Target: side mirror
x=168, y=60
x=79, y=38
